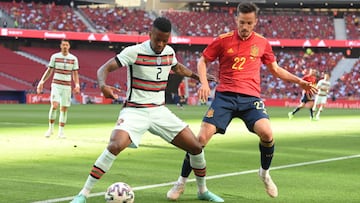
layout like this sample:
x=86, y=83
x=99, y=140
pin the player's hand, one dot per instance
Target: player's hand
x=110, y=92
x=203, y=93
x=76, y=89
x=309, y=88
x=40, y=88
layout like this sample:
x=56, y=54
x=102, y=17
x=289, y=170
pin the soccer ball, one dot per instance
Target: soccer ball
x=119, y=192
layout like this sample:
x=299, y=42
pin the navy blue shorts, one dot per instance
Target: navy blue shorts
x=228, y=105
x=304, y=98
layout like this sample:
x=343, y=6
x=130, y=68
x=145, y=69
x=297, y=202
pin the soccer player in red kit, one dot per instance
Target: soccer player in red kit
x=181, y=95
x=306, y=98
x=240, y=54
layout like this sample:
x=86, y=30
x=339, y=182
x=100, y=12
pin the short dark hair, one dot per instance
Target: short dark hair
x=65, y=40
x=247, y=7
x=162, y=24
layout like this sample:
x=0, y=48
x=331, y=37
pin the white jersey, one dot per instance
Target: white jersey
x=323, y=87
x=63, y=65
x=147, y=74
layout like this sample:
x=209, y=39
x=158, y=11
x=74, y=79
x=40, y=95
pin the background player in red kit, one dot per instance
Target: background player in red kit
x=240, y=54
x=306, y=98
x=181, y=95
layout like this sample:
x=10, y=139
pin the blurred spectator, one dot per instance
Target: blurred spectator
x=5, y=24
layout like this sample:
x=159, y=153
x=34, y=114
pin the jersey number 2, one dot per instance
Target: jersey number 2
x=158, y=74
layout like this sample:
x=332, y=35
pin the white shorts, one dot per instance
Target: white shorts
x=157, y=120
x=320, y=100
x=60, y=95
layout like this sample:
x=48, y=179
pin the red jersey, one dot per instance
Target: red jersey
x=240, y=61
x=181, y=89
x=310, y=78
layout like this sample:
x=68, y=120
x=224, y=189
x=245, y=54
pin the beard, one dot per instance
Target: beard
x=244, y=33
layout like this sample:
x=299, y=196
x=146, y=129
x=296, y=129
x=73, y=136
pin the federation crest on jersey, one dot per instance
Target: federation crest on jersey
x=120, y=121
x=254, y=52
x=210, y=113
x=158, y=60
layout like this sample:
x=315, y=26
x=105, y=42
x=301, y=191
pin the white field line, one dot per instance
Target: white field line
x=19, y=123
x=213, y=177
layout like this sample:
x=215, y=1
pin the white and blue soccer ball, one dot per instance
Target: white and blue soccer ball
x=119, y=192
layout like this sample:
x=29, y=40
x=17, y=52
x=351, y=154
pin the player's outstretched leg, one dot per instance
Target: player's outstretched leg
x=101, y=166
x=198, y=165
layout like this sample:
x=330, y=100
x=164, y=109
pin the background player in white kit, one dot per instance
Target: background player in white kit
x=323, y=87
x=66, y=66
x=148, y=66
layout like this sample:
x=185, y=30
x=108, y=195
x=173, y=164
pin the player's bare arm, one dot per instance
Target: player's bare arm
x=204, y=90
x=181, y=69
x=76, y=81
x=102, y=72
x=46, y=75
x=283, y=74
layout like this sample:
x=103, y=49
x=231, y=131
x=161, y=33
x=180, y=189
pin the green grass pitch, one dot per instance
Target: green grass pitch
x=314, y=162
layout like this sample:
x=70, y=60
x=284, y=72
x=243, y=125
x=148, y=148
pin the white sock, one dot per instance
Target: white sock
x=63, y=117
x=198, y=162
x=61, y=130
x=52, y=117
x=51, y=126
x=104, y=162
x=263, y=172
x=84, y=192
x=182, y=180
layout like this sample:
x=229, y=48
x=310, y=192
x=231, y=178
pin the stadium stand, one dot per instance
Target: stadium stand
x=40, y=16
x=273, y=24
x=212, y=24
x=353, y=25
x=11, y=83
x=21, y=71
x=119, y=20
x=348, y=86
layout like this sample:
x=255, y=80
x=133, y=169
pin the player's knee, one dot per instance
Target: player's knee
x=265, y=136
x=203, y=140
x=196, y=149
x=115, y=147
x=119, y=140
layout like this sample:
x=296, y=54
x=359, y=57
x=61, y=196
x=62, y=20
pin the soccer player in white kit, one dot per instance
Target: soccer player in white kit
x=148, y=66
x=323, y=87
x=65, y=67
